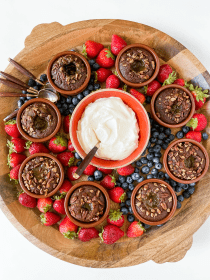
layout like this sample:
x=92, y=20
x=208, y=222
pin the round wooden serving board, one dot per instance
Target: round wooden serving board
x=168, y=243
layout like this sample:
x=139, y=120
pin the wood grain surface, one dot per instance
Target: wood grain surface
x=168, y=243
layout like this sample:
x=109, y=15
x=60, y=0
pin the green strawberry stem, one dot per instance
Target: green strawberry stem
x=193, y=123
x=14, y=180
x=95, y=77
x=101, y=234
x=123, y=197
x=200, y=93
x=8, y=160
x=71, y=161
x=140, y=225
x=145, y=89
x=70, y=234
x=60, y=140
x=115, y=215
x=171, y=79
x=10, y=122
x=43, y=218
x=84, y=51
x=109, y=53
x=28, y=145
x=11, y=147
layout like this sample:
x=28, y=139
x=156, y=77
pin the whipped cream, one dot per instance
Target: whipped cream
x=111, y=122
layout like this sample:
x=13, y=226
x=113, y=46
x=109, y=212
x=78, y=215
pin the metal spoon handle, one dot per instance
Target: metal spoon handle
x=15, y=94
x=11, y=116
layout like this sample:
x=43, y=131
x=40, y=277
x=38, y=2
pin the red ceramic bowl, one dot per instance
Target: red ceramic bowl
x=141, y=115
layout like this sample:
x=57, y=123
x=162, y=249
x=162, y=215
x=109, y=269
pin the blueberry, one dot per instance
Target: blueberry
x=153, y=140
x=144, y=152
x=146, y=226
x=156, y=160
x=185, y=129
x=71, y=108
x=91, y=178
x=91, y=61
x=131, y=187
x=180, y=198
x=148, y=145
x=173, y=183
x=24, y=98
x=92, y=80
x=167, y=181
x=29, y=98
x=66, y=112
x=160, y=175
x=155, y=134
x=167, y=140
x=36, y=87
x=185, y=187
x=124, y=210
x=97, y=86
x=95, y=66
x=25, y=101
x=77, y=156
x=75, y=101
x=135, y=176
x=86, y=92
x=191, y=190
x=186, y=194
x=151, y=150
x=178, y=189
x=161, y=129
x=165, y=146
x=161, y=136
x=150, y=176
x=124, y=186
x=138, y=163
x=43, y=78
x=31, y=83
x=90, y=87
x=129, y=180
x=158, y=165
x=180, y=185
x=98, y=175
x=122, y=204
x=136, y=170
x=157, y=148
x=128, y=202
x=156, y=125
x=167, y=131
x=150, y=156
x=192, y=184
x=154, y=171
x=130, y=210
x=78, y=163
x=59, y=105
x=159, y=142
x=129, y=193
x=167, y=176
x=24, y=91
x=148, y=99
x=130, y=217
x=158, y=155
x=140, y=179
x=149, y=115
x=61, y=110
x=144, y=160
x=80, y=96
x=64, y=106
x=62, y=99
x=121, y=179
x=145, y=170
x=180, y=134
x=20, y=103
x=68, y=99
x=150, y=163
x=153, y=129
x=118, y=184
x=171, y=137
x=205, y=136
x=179, y=205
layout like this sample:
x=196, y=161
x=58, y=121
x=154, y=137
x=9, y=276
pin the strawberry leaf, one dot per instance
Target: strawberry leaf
x=123, y=197
x=8, y=160
x=115, y=215
x=11, y=147
x=70, y=234
x=28, y=145
x=113, y=179
x=60, y=140
x=10, y=122
x=43, y=218
x=145, y=89
x=95, y=76
x=71, y=161
x=109, y=54
x=199, y=92
x=14, y=180
x=84, y=51
x=125, y=87
x=101, y=234
x=141, y=226
x=47, y=207
x=171, y=79
x=193, y=123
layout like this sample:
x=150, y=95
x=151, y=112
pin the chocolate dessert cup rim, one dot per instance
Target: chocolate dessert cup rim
x=140, y=218
x=69, y=92
x=158, y=120
x=107, y=204
x=165, y=161
x=24, y=106
x=21, y=171
x=149, y=49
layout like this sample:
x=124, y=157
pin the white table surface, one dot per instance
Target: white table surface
x=186, y=21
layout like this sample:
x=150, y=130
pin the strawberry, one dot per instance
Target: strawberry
x=89, y=170
x=116, y=218
x=92, y=49
x=195, y=135
x=135, y=229
x=65, y=187
x=126, y=170
x=105, y=58
x=105, y=171
x=68, y=229
x=16, y=145
x=198, y=122
x=49, y=218
x=164, y=72
x=35, y=148
x=199, y=95
x=112, y=82
x=180, y=82
x=70, y=146
x=44, y=204
x=152, y=87
x=11, y=129
x=58, y=144
x=140, y=96
x=110, y=234
x=27, y=200
x=117, y=194
x=14, y=173
x=117, y=44
x=102, y=74
x=66, y=158
x=58, y=205
x=108, y=182
x=70, y=172
x=66, y=123
x=86, y=234
x=14, y=159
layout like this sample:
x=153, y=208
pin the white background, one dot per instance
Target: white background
x=186, y=21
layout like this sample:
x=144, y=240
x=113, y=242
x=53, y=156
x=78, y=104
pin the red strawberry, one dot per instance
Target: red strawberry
x=105, y=171
x=27, y=200
x=44, y=204
x=140, y=96
x=66, y=158
x=14, y=173
x=108, y=182
x=135, y=229
x=195, y=135
x=115, y=218
x=117, y=44
x=164, y=72
x=49, y=218
x=89, y=170
x=70, y=146
x=68, y=229
x=66, y=186
x=198, y=122
x=105, y=58
x=126, y=170
x=16, y=145
x=58, y=205
x=199, y=95
x=112, y=82
x=35, y=148
x=110, y=234
x=86, y=234
x=180, y=82
x=92, y=49
x=152, y=87
x=14, y=159
x=11, y=128
x=70, y=172
x=102, y=74
x=117, y=194
x=58, y=144
x=66, y=123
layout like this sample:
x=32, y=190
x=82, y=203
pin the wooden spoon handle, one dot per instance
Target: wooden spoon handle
x=15, y=94
x=13, y=79
x=11, y=116
x=22, y=69
x=11, y=84
x=86, y=161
